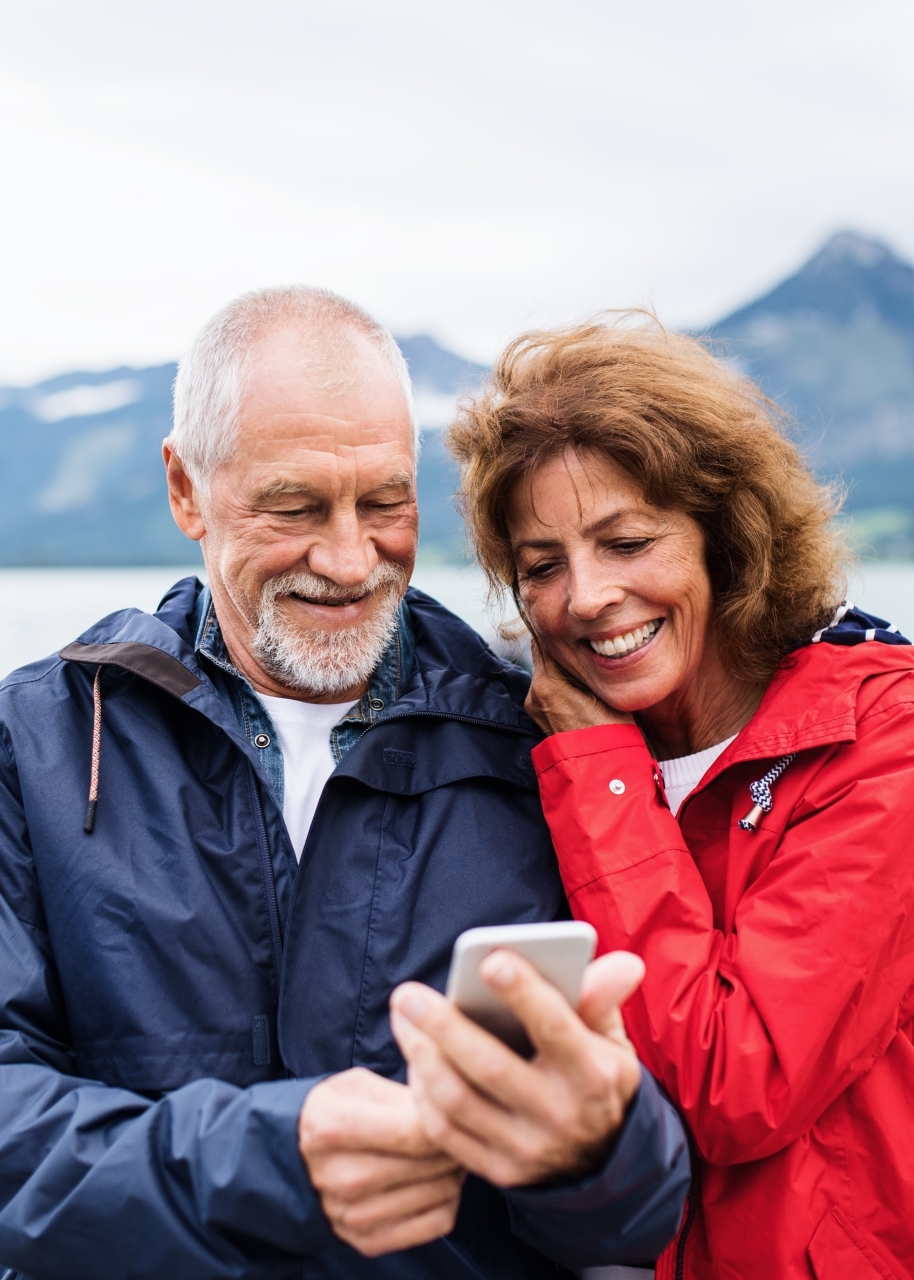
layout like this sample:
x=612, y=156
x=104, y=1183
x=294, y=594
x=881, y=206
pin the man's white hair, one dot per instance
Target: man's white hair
x=210, y=385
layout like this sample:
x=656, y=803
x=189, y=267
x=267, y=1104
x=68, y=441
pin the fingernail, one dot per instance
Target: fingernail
x=498, y=969
x=412, y=1004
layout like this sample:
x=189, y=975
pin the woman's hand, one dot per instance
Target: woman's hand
x=557, y=704
x=511, y=1121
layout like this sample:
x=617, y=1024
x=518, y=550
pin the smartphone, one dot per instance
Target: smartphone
x=559, y=949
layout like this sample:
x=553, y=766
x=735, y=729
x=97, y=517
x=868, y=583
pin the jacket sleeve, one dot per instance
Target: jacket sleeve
x=206, y=1182
x=628, y=1211
x=754, y=1032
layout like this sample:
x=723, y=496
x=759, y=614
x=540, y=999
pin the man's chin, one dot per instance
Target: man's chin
x=308, y=655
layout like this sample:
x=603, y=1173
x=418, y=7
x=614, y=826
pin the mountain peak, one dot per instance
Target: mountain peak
x=850, y=248
x=850, y=275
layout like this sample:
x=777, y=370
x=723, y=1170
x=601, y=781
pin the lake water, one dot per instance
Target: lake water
x=41, y=610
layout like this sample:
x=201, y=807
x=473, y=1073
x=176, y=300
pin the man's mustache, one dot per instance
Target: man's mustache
x=318, y=590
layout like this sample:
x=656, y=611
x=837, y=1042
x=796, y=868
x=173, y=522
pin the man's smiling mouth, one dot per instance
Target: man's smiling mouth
x=330, y=602
x=627, y=642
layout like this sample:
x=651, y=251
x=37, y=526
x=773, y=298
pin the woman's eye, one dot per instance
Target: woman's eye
x=537, y=572
x=631, y=546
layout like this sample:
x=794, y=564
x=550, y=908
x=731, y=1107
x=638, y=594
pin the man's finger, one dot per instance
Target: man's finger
x=476, y=1055
x=358, y=1176
x=398, y=1219
x=359, y=1111
x=485, y=1151
x=548, y=1018
x=607, y=984
x=456, y=1101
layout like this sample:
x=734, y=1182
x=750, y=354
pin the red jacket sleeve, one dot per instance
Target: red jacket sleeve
x=753, y=1032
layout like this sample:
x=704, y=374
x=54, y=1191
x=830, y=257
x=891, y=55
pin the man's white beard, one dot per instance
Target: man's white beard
x=326, y=662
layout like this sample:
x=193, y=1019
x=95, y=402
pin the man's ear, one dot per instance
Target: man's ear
x=182, y=495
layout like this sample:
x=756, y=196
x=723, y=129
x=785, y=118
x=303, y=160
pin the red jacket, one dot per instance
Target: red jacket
x=778, y=1006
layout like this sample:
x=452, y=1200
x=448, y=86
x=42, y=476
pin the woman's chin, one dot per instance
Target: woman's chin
x=630, y=689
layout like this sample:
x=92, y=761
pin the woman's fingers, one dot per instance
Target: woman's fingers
x=558, y=703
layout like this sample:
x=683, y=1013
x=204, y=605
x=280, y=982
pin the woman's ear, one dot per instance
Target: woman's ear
x=182, y=496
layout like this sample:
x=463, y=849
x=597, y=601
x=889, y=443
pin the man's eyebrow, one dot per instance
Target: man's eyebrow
x=285, y=489
x=400, y=480
x=301, y=489
x=596, y=526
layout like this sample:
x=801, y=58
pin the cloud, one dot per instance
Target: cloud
x=460, y=169
x=80, y=402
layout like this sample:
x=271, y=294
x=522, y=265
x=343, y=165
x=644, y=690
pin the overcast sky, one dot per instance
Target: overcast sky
x=462, y=169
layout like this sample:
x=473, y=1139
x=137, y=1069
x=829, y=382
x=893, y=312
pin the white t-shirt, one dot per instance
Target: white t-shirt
x=682, y=775
x=304, y=730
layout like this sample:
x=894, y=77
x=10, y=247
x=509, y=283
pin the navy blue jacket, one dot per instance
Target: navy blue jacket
x=161, y=1024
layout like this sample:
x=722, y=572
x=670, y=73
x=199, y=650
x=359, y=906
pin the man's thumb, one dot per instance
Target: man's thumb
x=608, y=983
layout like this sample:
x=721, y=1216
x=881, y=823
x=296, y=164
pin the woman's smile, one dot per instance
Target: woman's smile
x=625, y=642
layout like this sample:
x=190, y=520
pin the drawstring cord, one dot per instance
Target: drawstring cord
x=761, y=794
x=96, y=752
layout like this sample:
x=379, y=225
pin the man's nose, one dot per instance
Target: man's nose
x=591, y=588
x=343, y=553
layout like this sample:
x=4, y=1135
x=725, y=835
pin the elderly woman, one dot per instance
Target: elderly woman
x=728, y=776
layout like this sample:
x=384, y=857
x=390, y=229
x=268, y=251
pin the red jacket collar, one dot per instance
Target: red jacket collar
x=811, y=700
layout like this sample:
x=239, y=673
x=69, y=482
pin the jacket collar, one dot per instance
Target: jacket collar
x=455, y=674
x=384, y=688
x=811, y=701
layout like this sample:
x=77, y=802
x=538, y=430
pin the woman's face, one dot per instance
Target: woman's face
x=616, y=590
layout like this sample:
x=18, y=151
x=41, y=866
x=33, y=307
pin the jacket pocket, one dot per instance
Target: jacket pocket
x=838, y=1251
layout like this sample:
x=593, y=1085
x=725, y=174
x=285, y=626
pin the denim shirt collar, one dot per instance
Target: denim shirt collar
x=384, y=689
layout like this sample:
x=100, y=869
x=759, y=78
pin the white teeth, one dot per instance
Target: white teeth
x=626, y=643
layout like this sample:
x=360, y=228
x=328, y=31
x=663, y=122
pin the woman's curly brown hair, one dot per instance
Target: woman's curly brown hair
x=696, y=436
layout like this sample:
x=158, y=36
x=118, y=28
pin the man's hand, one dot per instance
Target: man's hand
x=382, y=1183
x=557, y=703
x=508, y=1120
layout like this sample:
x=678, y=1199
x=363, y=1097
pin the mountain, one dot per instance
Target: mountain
x=834, y=346
x=81, y=479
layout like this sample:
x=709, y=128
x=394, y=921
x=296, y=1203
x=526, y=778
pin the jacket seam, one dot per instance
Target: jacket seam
x=57, y=662
x=887, y=711
x=625, y=866
x=369, y=934
x=595, y=751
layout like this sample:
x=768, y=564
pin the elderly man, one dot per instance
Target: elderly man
x=230, y=830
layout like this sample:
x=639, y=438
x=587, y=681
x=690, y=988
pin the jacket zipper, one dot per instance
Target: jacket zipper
x=684, y=1235
x=269, y=883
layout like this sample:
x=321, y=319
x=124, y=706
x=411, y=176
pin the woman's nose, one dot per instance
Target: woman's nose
x=591, y=589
